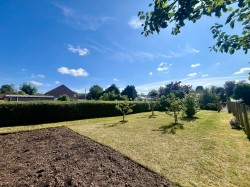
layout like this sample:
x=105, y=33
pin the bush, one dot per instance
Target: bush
x=63, y=97
x=26, y=113
x=190, y=105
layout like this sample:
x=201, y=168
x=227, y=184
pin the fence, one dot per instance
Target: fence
x=242, y=114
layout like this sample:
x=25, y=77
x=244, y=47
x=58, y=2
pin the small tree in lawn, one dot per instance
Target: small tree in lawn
x=153, y=104
x=190, y=107
x=175, y=106
x=125, y=107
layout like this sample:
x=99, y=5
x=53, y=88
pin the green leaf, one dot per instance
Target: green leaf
x=229, y=9
x=232, y=24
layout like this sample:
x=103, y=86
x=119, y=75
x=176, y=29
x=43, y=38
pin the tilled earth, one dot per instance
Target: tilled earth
x=61, y=157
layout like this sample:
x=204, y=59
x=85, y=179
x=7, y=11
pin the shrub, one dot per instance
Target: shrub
x=63, y=97
x=190, y=105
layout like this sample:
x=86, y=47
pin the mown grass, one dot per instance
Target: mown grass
x=203, y=151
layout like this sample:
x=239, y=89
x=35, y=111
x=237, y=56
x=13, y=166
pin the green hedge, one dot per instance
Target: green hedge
x=26, y=113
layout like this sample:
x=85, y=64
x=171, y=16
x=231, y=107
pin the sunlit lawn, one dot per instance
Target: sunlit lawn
x=205, y=152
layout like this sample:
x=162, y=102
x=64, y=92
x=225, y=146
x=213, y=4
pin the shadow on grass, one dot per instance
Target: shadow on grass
x=169, y=129
x=152, y=116
x=108, y=125
x=189, y=119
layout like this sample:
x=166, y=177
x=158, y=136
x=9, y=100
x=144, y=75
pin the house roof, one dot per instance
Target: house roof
x=60, y=90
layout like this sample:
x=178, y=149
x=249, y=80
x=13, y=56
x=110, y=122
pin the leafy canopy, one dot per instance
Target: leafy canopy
x=178, y=11
x=28, y=89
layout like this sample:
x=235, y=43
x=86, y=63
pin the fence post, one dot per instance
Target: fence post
x=247, y=125
x=229, y=106
x=239, y=108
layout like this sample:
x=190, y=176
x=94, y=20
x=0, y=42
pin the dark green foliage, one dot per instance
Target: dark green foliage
x=7, y=89
x=199, y=89
x=95, y=92
x=153, y=104
x=229, y=87
x=63, y=97
x=190, y=105
x=130, y=92
x=28, y=89
x=208, y=100
x=242, y=91
x=26, y=113
x=153, y=93
x=176, y=13
x=163, y=103
x=113, y=88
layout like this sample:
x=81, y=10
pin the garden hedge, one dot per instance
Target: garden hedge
x=26, y=113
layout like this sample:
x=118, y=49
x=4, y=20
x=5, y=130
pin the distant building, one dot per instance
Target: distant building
x=60, y=90
x=28, y=98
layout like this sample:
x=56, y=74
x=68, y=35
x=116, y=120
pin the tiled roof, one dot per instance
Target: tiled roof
x=60, y=90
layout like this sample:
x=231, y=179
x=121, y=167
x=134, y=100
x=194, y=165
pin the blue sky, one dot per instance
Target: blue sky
x=82, y=43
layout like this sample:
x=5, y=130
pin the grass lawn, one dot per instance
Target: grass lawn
x=203, y=152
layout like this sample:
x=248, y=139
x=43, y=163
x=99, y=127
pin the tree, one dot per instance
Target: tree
x=7, y=89
x=153, y=93
x=95, y=92
x=153, y=104
x=28, y=89
x=208, y=99
x=176, y=88
x=124, y=107
x=229, y=88
x=190, y=105
x=110, y=96
x=175, y=106
x=220, y=91
x=63, y=97
x=242, y=91
x=130, y=92
x=113, y=88
x=166, y=12
x=199, y=89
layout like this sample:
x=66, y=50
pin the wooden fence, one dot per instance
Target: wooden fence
x=242, y=114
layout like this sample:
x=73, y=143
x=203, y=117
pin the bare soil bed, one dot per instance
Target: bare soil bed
x=61, y=157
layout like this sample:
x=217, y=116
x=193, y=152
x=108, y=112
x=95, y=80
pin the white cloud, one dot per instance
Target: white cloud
x=194, y=65
x=205, y=75
x=150, y=73
x=135, y=23
x=78, y=20
x=74, y=72
x=78, y=49
x=115, y=79
x=36, y=83
x=33, y=76
x=217, y=64
x=193, y=50
x=163, y=66
x=192, y=74
x=242, y=70
x=57, y=82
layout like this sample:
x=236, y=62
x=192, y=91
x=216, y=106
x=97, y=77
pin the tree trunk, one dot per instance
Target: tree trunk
x=153, y=112
x=123, y=119
x=175, y=118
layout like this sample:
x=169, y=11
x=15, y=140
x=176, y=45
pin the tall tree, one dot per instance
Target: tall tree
x=95, y=92
x=28, y=89
x=166, y=12
x=113, y=88
x=242, y=91
x=199, y=89
x=153, y=93
x=229, y=88
x=176, y=88
x=7, y=89
x=130, y=92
